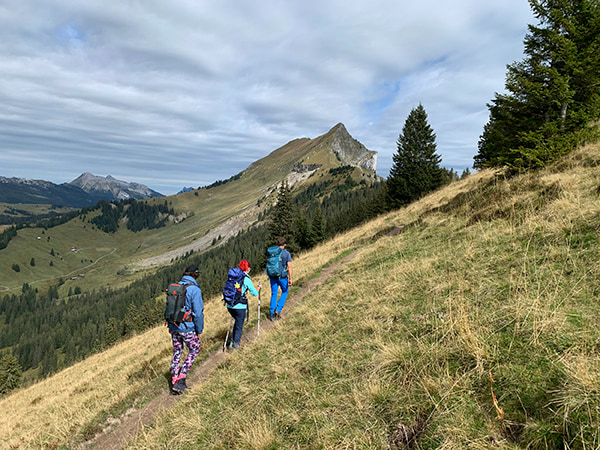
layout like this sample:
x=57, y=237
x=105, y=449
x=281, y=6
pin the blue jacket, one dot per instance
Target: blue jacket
x=193, y=301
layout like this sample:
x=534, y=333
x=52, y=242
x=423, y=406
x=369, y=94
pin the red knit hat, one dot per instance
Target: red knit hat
x=244, y=265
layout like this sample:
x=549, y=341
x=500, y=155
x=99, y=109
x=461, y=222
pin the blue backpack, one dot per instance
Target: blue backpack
x=275, y=267
x=232, y=292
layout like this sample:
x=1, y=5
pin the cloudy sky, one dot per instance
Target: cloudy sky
x=186, y=92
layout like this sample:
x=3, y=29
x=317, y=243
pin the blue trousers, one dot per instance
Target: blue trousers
x=239, y=315
x=276, y=283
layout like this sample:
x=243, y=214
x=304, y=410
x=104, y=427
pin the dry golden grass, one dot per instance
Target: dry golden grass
x=474, y=326
x=50, y=412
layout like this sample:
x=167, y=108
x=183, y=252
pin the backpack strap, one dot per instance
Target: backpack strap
x=187, y=317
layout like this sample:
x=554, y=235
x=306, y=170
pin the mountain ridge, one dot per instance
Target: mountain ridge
x=120, y=190
x=201, y=216
x=86, y=190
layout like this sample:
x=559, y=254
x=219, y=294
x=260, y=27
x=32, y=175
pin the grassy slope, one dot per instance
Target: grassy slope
x=489, y=280
x=409, y=336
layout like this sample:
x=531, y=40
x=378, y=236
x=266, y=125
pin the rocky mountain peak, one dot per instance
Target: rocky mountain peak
x=348, y=150
x=118, y=189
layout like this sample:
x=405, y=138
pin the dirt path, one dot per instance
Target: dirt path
x=132, y=422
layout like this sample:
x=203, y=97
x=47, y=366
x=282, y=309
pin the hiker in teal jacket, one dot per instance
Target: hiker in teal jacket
x=239, y=311
x=187, y=333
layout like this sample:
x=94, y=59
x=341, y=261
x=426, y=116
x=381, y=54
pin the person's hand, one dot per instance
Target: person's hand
x=200, y=335
x=290, y=282
x=259, y=285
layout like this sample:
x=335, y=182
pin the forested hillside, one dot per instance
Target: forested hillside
x=466, y=319
x=46, y=332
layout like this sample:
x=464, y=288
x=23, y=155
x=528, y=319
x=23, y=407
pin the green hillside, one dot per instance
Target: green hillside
x=201, y=217
x=468, y=319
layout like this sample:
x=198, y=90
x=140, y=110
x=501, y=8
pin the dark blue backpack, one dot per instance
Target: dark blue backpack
x=275, y=267
x=232, y=292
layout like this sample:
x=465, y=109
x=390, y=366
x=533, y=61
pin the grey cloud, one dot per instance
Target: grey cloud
x=132, y=89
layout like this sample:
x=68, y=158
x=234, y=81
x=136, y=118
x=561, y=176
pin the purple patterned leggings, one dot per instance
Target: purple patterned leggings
x=193, y=344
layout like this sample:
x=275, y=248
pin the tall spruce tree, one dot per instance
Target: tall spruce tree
x=282, y=216
x=416, y=165
x=304, y=236
x=11, y=375
x=553, y=95
x=317, y=226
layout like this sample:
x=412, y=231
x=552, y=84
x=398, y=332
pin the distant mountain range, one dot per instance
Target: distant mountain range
x=85, y=190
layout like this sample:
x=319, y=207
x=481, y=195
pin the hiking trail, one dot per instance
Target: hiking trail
x=125, y=428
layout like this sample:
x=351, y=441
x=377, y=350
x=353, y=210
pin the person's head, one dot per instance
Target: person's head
x=244, y=265
x=281, y=241
x=192, y=271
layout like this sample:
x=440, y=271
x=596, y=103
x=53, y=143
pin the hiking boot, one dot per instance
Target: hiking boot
x=179, y=387
x=276, y=315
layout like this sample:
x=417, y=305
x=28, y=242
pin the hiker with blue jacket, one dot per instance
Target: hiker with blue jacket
x=239, y=310
x=279, y=271
x=188, y=332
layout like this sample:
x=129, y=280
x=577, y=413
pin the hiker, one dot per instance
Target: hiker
x=187, y=332
x=239, y=310
x=279, y=270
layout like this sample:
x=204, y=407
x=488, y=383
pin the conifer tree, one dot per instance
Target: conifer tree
x=553, y=95
x=415, y=170
x=318, y=226
x=282, y=216
x=112, y=334
x=10, y=373
x=304, y=237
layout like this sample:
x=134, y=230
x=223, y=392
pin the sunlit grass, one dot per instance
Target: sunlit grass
x=452, y=333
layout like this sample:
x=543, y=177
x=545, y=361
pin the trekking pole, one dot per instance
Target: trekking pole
x=227, y=335
x=258, y=329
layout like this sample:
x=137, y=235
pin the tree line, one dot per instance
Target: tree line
x=552, y=99
x=139, y=214
x=42, y=331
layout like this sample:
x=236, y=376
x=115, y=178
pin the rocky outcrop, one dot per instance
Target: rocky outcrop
x=350, y=151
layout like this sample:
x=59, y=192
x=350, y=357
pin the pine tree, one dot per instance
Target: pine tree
x=112, y=334
x=318, y=226
x=304, y=237
x=11, y=375
x=415, y=170
x=282, y=217
x=553, y=95
x=129, y=320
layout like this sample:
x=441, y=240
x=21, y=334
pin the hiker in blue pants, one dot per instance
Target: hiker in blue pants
x=187, y=333
x=239, y=310
x=282, y=278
